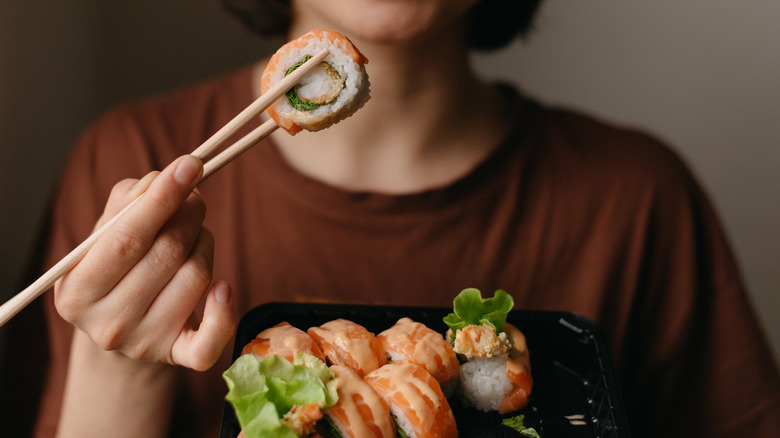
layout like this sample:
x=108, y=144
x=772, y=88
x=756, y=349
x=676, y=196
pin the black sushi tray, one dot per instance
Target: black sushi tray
x=575, y=392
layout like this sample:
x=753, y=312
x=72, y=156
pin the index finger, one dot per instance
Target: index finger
x=130, y=237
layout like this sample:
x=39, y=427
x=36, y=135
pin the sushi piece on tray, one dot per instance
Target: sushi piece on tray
x=495, y=374
x=347, y=343
x=283, y=340
x=416, y=400
x=416, y=342
x=359, y=412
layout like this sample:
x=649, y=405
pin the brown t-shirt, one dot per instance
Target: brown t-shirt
x=566, y=214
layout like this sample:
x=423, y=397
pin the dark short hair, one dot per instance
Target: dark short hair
x=492, y=23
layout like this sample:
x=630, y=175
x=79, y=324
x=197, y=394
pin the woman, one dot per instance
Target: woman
x=442, y=181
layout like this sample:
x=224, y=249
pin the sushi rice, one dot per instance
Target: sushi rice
x=495, y=373
x=483, y=383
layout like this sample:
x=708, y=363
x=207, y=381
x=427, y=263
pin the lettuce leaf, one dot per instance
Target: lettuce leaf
x=469, y=308
x=517, y=424
x=262, y=391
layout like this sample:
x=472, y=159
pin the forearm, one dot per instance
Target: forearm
x=107, y=394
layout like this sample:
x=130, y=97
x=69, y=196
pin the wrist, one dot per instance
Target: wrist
x=106, y=388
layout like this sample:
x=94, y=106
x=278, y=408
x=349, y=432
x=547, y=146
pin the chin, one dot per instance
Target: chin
x=399, y=31
x=383, y=21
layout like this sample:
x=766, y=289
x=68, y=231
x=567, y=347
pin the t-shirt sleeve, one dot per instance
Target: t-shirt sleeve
x=696, y=362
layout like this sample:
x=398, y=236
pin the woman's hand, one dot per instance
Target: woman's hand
x=137, y=289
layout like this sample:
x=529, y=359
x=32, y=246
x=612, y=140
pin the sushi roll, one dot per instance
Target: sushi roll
x=328, y=94
x=347, y=343
x=416, y=401
x=284, y=340
x=359, y=412
x=495, y=373
x=416, y=342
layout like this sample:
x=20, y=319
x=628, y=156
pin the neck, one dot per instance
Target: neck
x=423, y=127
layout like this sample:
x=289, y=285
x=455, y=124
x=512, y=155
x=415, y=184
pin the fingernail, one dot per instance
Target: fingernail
x=188, y=170
x=222, y=293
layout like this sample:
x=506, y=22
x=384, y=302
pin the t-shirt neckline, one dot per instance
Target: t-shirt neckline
x=309, y=189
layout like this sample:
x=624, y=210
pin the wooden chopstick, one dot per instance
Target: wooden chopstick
x=21, y=300
x=258, y=106
x=238, y=148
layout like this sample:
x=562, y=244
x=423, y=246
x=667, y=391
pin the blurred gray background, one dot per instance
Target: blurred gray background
x=703, y=75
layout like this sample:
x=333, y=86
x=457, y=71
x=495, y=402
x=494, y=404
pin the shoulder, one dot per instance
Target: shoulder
x=138, y=136
x=156, y=129
x=605, y=144
x=589, y=154
x=619, y=181
x=175, y=122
